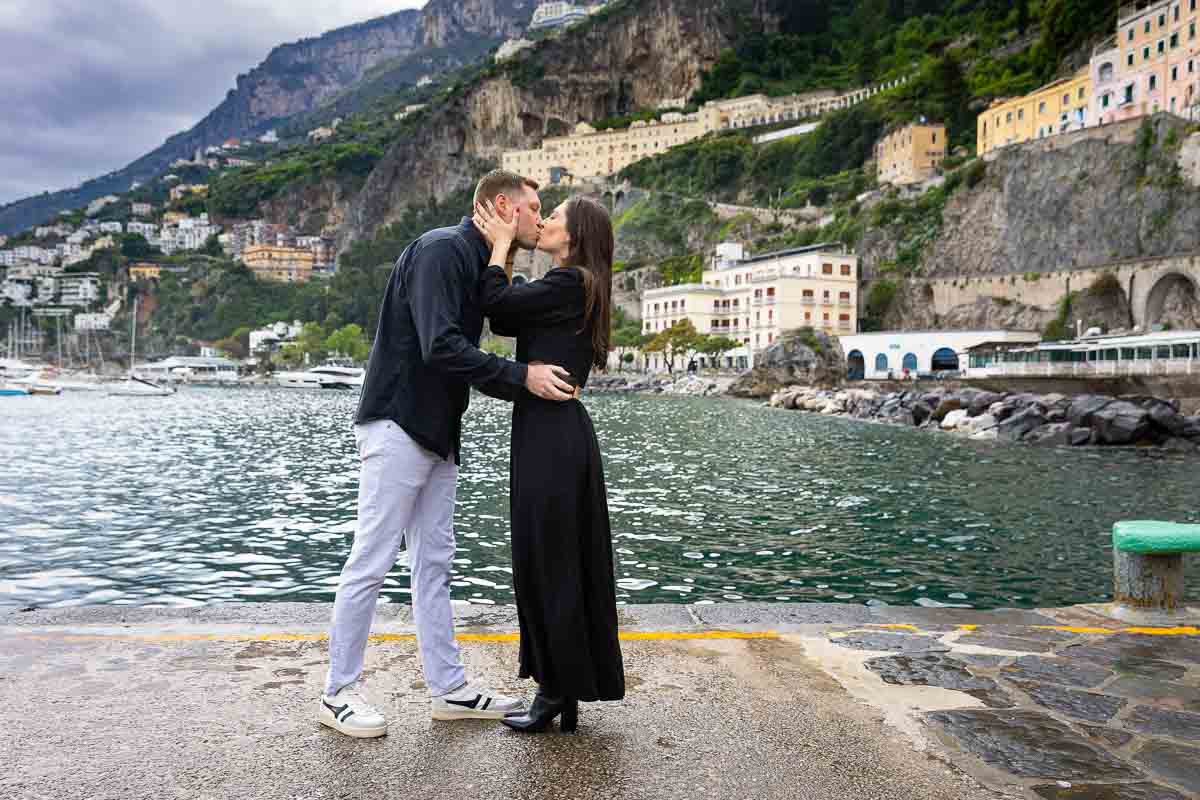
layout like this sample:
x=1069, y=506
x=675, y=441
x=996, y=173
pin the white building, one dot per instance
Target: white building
x=80, y=236
x=92, y=322
x=511, y=47
x=272, y=336
x=142, y=209
x=270, y=137
x=899, y=354
x=147, y=229
x=7, y=258
x=112, y=227
x=79, y=288
x=97, y=205
x=557, y=14
x=191, y=369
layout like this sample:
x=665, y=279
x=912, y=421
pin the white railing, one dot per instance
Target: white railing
x=1091, y=369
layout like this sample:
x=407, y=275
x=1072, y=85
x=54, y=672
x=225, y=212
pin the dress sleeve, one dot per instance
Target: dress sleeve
x=554, y=298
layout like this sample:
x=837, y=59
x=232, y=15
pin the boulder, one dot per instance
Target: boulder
x=983, y=422
x=1002, y=410
x=982, y=401
x=1082, y=409
x=1120, y=422
x=1080, y=437
x=920, y=413
x=1015, y=427
x=989, y=435
x=947, y=405
x=1056, y=434
x=954, y=419
x=832, y=406
x=1191, y=428
x=802, y=356
x=1166, y=416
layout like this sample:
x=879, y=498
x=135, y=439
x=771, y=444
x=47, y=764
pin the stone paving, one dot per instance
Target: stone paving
x=1081, y=714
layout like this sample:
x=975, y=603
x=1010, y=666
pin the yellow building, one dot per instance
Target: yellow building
x=911, y=154
x=144, y=271
x=284, y=264
x=589, y=153
x=1058, y=107
x=754, y=300
x=173, y=217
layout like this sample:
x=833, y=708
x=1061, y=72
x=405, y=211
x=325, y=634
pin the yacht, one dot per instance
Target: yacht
x=327, y=376
x=133, y=386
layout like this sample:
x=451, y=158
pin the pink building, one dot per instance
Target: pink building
x=1151, y=65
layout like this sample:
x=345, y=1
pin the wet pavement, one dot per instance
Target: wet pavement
x=733, y=701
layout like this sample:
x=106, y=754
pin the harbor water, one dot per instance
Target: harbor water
x=218, y=495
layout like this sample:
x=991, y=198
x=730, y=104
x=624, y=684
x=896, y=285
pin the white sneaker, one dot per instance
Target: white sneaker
x=473, y=702
x=349, y=712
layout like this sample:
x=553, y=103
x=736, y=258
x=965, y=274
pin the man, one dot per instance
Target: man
x=425, y=357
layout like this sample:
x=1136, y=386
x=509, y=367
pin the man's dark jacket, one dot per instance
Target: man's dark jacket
x=426, y=353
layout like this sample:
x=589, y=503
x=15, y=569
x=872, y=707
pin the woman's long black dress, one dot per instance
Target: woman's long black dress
x=561, y=542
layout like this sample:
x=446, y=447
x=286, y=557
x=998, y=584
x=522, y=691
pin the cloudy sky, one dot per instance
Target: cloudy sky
x=90, y=85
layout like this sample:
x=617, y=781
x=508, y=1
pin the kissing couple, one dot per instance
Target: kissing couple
x=408, y=428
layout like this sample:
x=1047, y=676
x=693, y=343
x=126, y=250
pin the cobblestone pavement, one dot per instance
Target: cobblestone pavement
x=1091, y=712
x=725, y=701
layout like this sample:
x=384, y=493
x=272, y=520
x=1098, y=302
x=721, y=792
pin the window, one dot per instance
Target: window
x=1008, y=117
x=808, y=316
x=1176, y=10
x=1174, y=74
x=1042, y=107
x=1020, y=113
x=1129, y=37
x=1129, y=58
x=845, y=269
x=843, y=318
x=827, y=269
x=1174, y=40
x=1128, y=94
x=1080, y=92
x=1066, y=99
x=1146, y=53
x=1162, y=46
x=1162, y=20
x=1153, y=82
x=1104, y=100
x=935, y=138
x=1147, y=29
x=1192, y=29
x=825, y=317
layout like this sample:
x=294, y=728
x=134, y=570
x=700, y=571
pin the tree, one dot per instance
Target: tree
x=311, y=341
x=678, y=340
x=134, y=246
x=349, y=341
x=716, y=346
x=212, y=247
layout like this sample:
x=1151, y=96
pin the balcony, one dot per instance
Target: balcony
x=808, y=301
x=844, y=325
x=844, y=302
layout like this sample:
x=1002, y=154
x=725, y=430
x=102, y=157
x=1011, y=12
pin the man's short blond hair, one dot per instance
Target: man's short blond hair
x=501, y=181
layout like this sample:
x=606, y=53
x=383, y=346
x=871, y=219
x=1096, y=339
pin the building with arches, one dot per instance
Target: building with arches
x=893, y=355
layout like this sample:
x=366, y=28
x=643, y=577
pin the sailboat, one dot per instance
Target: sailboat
x=133, y=386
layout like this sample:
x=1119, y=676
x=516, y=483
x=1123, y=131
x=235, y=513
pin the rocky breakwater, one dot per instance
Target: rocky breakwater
x=689, y=385
x=1050, y=419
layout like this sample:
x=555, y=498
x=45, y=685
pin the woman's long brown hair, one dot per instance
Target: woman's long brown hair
x=591, y=232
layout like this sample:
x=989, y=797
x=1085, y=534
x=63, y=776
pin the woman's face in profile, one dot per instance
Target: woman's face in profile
x=554, y=239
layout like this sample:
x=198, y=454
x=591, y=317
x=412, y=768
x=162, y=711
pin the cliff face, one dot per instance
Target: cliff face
x=1077, y=201
x=297, y=78
x=637, y=56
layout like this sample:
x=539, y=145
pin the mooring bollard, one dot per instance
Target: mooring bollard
x=1148, y=563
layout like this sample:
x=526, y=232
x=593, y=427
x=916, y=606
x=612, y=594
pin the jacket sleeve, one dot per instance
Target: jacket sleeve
x=513, y=306
x=436, y=286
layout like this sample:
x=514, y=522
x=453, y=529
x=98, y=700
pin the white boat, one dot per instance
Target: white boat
x=327, y=376
x=133, y=386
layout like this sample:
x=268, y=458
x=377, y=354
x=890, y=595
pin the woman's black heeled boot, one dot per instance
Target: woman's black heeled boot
x=544, y=709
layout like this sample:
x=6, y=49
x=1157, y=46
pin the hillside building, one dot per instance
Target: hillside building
x=283, y=264
x=911, y=154
x=591, y=153
x=753, y=300
x=1152, y=64
x=1058, y=107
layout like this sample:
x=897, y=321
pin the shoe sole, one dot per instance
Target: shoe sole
x=468, y=713
x=356, y=733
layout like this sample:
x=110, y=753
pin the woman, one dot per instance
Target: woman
x=561, y=542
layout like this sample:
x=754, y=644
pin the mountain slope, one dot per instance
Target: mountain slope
x=297, y=78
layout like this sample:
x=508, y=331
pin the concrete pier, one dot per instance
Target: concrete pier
x=724, y=701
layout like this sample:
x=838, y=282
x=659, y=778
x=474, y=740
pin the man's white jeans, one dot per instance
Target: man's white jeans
x=405, y=493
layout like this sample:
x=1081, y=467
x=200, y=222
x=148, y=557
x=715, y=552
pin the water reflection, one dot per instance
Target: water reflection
x=224, y=495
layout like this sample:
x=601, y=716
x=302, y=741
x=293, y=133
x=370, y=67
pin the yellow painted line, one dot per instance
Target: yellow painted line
x=967, y=627
x=653, y=636
x=897, y=627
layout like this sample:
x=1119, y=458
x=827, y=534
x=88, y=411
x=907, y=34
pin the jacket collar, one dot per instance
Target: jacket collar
x=472, y=235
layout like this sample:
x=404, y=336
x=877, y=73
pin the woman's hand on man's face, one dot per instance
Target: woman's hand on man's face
x=492, y=225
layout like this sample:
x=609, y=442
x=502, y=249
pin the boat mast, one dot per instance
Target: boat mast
x=133, y=336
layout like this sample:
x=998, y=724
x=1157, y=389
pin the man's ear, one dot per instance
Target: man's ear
x=503, y=206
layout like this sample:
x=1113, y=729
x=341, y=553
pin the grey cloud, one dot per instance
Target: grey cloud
x=90, y=86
